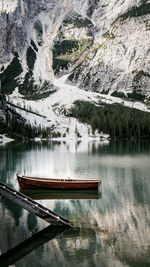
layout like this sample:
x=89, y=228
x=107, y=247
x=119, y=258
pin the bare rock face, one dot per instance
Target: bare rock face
x=25, y=45
x=118, y=62
x=31, y=24
x=103, y=45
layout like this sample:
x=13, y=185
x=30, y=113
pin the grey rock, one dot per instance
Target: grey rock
x=120, y=48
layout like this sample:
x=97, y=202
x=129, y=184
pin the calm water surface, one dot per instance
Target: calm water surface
x=112, y=226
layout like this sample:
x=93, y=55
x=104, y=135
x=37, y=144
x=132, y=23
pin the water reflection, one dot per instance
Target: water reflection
x=62, y=194
x=30, y=244
x=113, y=230
x=14, y=210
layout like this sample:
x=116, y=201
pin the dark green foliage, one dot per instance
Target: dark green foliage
x=78, y=21
x=116, y=120
x=30, y=57
x=28, y=88
x=67, y=51
x=77, y=132
x=20, y=130
x=32, y=91
x=17, y=128
x=118, y=94
x=136, y=96
x=55, y=134
x=66, y=46
x=144, y=9
x=96, y=85
x=105, y=92
x=2, y=128
x=2, y=68
x=86, y=80
x=139, y=74
x=74, y=75
x=8, y=77
x=36, y=95
x=59, y=64
x=62, y=48
x=27, y=85
x=137, y=85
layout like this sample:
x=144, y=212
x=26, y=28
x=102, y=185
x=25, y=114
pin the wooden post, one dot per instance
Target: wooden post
x=32, y=206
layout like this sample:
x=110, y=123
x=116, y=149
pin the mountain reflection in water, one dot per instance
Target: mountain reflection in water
x=112, y=230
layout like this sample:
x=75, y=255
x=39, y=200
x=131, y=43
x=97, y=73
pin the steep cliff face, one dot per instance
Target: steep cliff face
x=25, y=45
x=103, y=46
x=119, y=58
x=105, y=43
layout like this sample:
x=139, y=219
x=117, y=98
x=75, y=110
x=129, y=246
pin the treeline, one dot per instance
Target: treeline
x=20, y=130
x=143, y=9
x=116, y=120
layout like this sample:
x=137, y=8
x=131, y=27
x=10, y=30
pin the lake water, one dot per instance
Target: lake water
x=112, y=227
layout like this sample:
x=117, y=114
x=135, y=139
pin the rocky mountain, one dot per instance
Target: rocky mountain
x=102, y=46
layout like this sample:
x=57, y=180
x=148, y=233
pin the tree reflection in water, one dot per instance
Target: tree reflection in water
x=112, y=230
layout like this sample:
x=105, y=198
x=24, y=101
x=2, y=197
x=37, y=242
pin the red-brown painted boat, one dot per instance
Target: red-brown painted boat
x=28, y=182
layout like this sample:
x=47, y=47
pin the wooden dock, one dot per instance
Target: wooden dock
x=32, y=206
x=30, y=244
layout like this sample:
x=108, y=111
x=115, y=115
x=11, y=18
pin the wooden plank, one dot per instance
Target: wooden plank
x=11, y=256
x=32, y=206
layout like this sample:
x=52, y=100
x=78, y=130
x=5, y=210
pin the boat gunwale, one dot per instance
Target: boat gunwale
x=53, y=180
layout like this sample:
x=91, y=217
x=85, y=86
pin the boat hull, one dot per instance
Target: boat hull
x=26, y=182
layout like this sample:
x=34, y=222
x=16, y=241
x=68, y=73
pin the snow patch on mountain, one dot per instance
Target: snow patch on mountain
x=51, y=112
x=4, y=139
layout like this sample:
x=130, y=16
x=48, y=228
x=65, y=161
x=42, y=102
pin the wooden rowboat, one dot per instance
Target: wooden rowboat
x=28, y=182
